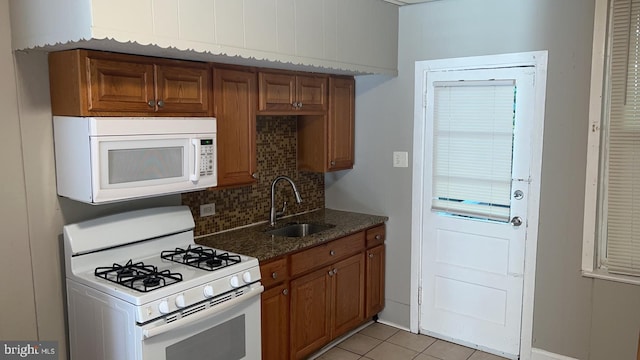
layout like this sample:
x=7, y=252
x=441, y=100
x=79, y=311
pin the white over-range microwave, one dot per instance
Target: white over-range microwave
x=107, y=159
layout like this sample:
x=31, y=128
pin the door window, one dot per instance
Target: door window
x=473, y=147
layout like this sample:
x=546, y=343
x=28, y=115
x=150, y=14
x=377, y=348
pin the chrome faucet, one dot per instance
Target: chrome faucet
x=275, y=213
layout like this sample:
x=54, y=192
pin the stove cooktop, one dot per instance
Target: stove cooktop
x=138, y=276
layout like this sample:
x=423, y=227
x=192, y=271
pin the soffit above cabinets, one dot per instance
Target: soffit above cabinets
x=337, y=37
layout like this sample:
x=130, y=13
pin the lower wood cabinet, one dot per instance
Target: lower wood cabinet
x=347, y=295
x=375, y=280
x=275, y=322
x=309, y=306
x=310, y=312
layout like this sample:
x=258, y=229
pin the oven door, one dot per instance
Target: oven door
x=228, y=331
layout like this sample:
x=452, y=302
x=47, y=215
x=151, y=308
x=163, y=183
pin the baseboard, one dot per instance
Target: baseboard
x=537, y=354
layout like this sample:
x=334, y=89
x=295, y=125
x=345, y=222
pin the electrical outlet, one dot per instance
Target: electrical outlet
x=400, y=159
x=207, y=209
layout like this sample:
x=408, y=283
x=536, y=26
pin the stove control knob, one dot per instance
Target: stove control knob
x=163, y=307
x=234, y=281
x=180, y=301
x=208, y=291
x=246, y=277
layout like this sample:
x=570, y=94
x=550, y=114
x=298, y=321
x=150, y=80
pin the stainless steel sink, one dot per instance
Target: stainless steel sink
x=299, y=229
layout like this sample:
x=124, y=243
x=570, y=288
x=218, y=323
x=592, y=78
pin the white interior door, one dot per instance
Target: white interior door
x=475, y=194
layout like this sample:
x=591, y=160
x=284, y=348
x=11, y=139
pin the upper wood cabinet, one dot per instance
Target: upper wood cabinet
x=291, y=93
x=341, y=123
x=235, y=94
x=326, y=143
x=95, y=83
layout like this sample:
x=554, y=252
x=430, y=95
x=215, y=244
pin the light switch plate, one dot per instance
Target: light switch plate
x=400, y=159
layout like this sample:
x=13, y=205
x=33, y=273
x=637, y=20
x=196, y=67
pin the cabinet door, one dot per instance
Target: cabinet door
x=375, y=280
x=277, y=92
x=234, y=108
x=341, y=123
x=275, y=323
x=120, y=86
x=310, y=312
x=183, y=89
x=311, y=93
x=348, y=294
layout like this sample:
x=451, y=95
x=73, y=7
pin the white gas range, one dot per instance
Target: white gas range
x=139, y=288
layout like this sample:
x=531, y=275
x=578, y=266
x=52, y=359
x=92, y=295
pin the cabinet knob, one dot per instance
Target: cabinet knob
x=151, y=103
x=333, y=163
x=285, y=292
x=333, y=272
x=378, y=237
x=332, y=252
x=274, y=275
x=160, y=103
x=299, y=105
x=371, y=255
x=255, y=175
x=294, y=105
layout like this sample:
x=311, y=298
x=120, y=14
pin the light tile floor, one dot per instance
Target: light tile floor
x=382, y=342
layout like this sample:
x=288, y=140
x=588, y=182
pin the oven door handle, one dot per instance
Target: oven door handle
x=255, y=291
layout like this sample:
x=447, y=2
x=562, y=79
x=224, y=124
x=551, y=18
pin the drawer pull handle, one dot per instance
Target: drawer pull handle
x=332, y=252
x=274, y=275
x=378, y=237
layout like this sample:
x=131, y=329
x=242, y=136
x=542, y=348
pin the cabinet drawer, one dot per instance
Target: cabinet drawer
x=375, y=236
x=273, y=272
x=326, y=253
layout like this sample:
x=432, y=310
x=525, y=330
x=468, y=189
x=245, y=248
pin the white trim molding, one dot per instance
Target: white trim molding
x=589, y=229
x=599, y=59
x=538, y=354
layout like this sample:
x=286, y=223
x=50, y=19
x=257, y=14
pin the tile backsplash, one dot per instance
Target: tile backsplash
x=276, y=144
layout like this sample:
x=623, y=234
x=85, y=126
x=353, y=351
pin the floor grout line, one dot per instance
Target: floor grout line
x=381, y=341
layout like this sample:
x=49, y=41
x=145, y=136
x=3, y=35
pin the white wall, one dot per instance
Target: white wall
x=573, y=316
x=18, y=317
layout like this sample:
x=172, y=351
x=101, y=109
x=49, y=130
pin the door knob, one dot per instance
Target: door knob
x=516, y=221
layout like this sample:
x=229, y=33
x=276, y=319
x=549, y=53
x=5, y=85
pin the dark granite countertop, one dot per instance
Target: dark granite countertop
x=253, y=241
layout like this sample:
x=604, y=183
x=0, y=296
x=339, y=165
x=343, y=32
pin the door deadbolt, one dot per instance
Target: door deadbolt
x=518, y=195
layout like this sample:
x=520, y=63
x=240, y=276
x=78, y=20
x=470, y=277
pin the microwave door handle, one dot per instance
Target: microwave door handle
x=195, y=176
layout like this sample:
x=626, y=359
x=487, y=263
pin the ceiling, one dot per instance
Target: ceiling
x=406, y=2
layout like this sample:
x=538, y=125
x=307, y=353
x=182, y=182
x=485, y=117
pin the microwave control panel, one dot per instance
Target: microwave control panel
x=207, y=152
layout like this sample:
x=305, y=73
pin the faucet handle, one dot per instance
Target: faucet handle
x=284, y=208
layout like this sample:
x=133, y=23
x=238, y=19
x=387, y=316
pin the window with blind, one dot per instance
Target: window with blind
x=473, y=148
x=619, y=194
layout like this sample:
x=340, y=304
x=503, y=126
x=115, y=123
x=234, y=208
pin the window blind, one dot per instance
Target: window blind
x=473, y=146
x=622, y=174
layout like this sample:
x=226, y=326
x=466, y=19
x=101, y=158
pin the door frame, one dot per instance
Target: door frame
x=538, y=59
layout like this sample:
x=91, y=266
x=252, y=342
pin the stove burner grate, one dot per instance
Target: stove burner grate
x=137, y=276
x=201, y=258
